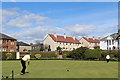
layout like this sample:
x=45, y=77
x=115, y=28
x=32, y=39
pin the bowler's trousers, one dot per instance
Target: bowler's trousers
x=23, y=65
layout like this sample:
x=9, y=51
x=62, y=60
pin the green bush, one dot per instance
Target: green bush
x=78, y=53
x=37, y=56
x=8, y=55
x=93, y=54
x=43, y=54
x=55, y=54
x=64, y=55
x=3, y=55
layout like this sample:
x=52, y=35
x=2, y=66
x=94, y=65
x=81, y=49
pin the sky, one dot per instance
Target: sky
x=59, y=0
x=32, y=21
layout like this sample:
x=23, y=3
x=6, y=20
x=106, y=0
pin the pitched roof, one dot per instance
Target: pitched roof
x=92, y=40
x=114, y=36
x=3, y=36
x=22, y=44
x=62, y=39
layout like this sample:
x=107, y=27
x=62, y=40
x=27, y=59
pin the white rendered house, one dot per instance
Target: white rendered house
x=110, y=42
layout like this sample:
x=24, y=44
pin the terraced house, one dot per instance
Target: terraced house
x=23, y=47
x=66, y=43
x=7, y=43
x=90, y=43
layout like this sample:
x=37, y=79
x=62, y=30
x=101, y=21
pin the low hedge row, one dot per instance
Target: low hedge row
x=3, y=55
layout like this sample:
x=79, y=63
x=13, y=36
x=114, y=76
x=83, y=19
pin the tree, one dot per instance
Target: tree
x=79, y=53
x=49, y=48
x=59, y=49
x=93, y=54
x=97, y=47
x=42, y=48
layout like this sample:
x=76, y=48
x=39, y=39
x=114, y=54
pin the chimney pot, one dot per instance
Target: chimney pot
x=73, y=37
x=55, y=35
x=64, y=35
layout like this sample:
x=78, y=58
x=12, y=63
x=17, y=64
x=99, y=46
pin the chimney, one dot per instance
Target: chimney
x=64, y=35
x=31, y=44
x=87, y=37
x=55, y=35
x=98, y=38
x=93, y=38
x=119, y=31
x=73, y=37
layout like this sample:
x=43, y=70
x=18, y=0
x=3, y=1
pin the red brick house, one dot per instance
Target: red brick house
x=7, y=43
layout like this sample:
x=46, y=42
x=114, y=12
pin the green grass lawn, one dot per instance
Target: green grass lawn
x=57, y=69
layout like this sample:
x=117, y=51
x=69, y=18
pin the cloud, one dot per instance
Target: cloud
x=32, y=27
x=37, y=33
x=26, y=21
x=17, y=18
x=9, y=14
x=90, y=30
x=79, y=29
x=12, y=0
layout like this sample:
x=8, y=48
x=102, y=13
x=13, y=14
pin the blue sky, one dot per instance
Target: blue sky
x=60, y=0
x=31, y=21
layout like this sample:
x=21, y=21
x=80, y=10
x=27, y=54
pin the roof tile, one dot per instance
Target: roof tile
x=62, y=39
x=92, y=40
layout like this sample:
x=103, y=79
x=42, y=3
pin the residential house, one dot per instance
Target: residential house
x=89, y=42
x=7, y=43
x=37, y=47
x=109, y=42
x=66, y=43
x=23, y=47
x=118, y=39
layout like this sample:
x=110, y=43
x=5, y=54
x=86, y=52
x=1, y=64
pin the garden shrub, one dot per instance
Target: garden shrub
x=64, y=55
x=93, y=54
x=9, y=56
x=37, y=56
x=78, y=53
x=55, y=54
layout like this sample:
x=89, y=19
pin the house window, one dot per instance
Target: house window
x=112, y=42
x=4, y=41
x=4, y=49
x=109, y=48
x=95, y=44
x=0, y=48
x=66, y=43
x=11, y=49
x=12, y=42
x=109, y=42
x=113, y=47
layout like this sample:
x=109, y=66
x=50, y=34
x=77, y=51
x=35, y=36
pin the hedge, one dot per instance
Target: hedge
x=43, y=54
x=3, y=55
